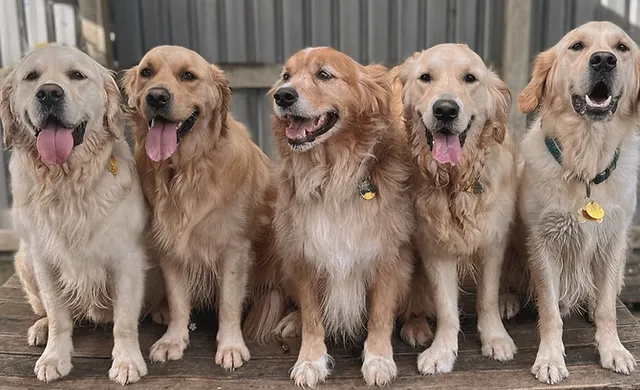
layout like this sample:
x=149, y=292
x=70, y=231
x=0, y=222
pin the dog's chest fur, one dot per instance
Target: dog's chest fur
x=340, y=238
x=72, y=228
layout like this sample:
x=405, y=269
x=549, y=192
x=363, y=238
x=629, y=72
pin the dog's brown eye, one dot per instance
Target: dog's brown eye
x=146, y=72
x=324, y=75
x=188, y=76
x=75, y=75
x=577, y=46
x=469, y=78
x=32, y=76
x=286, y=76
x=622, y=47
x=425, y=77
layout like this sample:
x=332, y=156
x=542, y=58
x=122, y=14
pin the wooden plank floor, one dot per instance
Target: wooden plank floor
x=270, y=364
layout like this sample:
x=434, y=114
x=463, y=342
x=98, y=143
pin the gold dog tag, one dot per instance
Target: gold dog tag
x=112, y=164
x=368, y=190
x=591, y=212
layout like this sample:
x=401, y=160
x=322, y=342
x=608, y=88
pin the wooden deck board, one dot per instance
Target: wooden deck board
x=270, y=364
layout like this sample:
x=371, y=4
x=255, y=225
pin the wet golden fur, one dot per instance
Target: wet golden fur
x=212, y=207
x=458, y=229
x=573, y=265
x=82, y=251
x=343, y=255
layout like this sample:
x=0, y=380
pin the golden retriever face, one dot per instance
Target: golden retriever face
x=58, y=96
x=449, y=95
x=588, y=69
x=175, y=91
x=322, y=92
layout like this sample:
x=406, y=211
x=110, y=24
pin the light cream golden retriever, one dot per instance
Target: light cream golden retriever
x=78, y=206
x=209, y=188
x=464, y=189
x=343, y=221
x=581, y=161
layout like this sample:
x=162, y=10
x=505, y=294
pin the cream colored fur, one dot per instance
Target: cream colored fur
x=578, y=265
x=82, y=251
x=458, y=230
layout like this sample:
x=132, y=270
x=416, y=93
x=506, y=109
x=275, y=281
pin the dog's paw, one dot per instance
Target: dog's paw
x=550, y=367
x=160, y=315
x=38, y=333
x=436, y=360
x=416, y=331
x=231, y=357
x=168, y=348
x=308, y=373
x=51, y=366
x=509, y=305
x=500, y=347
x=378, y=370
x=128, y=369
x=290, y=326
x=617, y=359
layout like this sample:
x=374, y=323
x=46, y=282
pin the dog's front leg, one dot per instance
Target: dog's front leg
x=172, y=344
x=549, y=366
x=128, y=364
x=608, y=262
x=496, y=342
x=441, y=355
x=313, y=361
x=55, y=361
x=232, y=351
x=378, y=367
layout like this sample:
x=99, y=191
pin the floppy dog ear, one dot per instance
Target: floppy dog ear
x=224, y=90
x=502, y=97
x=113, y=117
x=531, y=96
x=128, y=83
x=7, y=115
x=374, y=86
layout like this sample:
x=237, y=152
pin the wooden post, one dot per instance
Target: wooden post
x=515, y=57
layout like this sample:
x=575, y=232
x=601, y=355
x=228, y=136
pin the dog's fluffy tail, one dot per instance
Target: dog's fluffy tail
x=265, y=312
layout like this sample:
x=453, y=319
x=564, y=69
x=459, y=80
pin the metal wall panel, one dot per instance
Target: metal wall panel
x=269, y=31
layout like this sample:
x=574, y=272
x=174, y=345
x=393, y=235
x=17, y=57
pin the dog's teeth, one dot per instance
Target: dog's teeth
x=591, y=103
x=179, y=124
x=152, y=122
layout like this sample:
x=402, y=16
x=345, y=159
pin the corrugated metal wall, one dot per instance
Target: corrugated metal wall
x=386, y=31
x=269, y=31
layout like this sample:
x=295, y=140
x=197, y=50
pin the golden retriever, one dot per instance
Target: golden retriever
x=464, y=190
x=581, y=161
x=209, y=188
x=78, y=206
x=343, y=222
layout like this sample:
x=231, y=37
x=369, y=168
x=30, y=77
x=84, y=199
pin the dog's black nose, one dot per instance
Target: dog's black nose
x=49, y=94
x=445, y=110
x=603, y=61
x=285, y=97
x=158, y=97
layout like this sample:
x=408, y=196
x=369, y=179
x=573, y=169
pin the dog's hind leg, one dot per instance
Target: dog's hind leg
x=27, y=277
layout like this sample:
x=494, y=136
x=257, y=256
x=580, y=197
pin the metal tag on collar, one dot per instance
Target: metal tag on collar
x=367, y=189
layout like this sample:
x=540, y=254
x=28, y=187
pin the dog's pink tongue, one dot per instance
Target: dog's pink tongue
x=54, y=144
x=297, y=128
x=162, y=140
x=446, y=148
